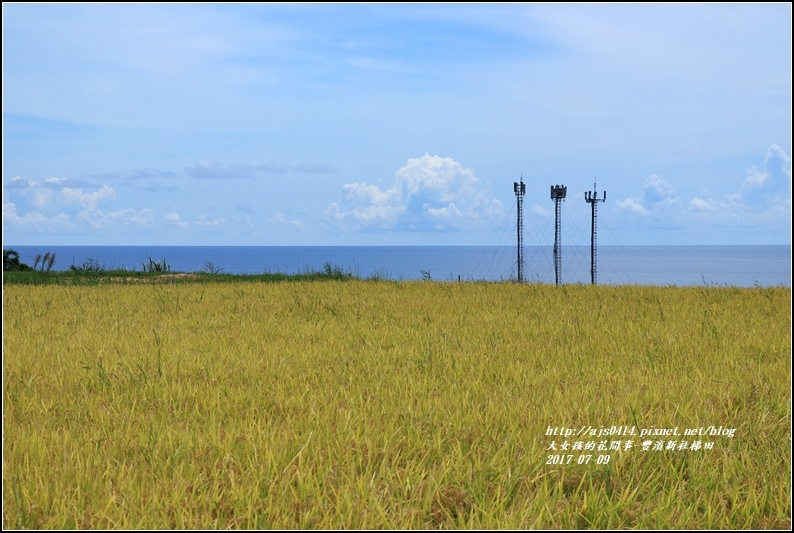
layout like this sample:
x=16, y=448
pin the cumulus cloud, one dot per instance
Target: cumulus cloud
x=368, y=205
x=90, y=216
x=762, y=198
x=42, y=198
x=140, y=219
x=630, y=205
x=429, y=193
x=764, y=189
x=656, y=194
x=698, y=204
x=55, y=194
x=176, y=220
x=775, y=176
x=85, y=200
x=33, y=219
x=16, y=183
x=57, y=205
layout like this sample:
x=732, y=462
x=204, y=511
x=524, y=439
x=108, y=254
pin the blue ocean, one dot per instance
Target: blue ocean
x=739, y=266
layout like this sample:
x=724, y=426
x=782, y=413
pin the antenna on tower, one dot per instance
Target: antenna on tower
x=558, y=193
x=593, y=199
x=519, y=188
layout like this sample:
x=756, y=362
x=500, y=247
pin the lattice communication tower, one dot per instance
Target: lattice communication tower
x=519, y=188
x=558, y=193
x=593, y=199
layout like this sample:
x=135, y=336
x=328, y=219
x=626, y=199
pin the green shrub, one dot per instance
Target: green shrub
x=89, y=265
x=11, y=262
x=156, y=266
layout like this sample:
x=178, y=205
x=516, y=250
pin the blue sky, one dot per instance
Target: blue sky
x=394, y=124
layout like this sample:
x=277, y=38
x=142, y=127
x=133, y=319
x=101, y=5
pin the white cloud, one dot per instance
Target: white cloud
x=85, y=200
x=657, y=191
x=755, y=178
x=699, y=204
x=451, y=212
x=142, y=219
x=371, y=194
x=429, y=193
x=763, y=199
x=763, y=190
x=631, y=205
x=368, y=205
x=774, y=177
x=176, y=220
x=42, y=198
x=53, y=195
x=656, y=194
x=37, y=221
x=33, y=220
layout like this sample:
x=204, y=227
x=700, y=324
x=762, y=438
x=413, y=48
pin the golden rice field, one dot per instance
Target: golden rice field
x=404, y=405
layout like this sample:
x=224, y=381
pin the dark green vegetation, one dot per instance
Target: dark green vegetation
x=88, y=277
x=11, y=262
x=91, y=272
